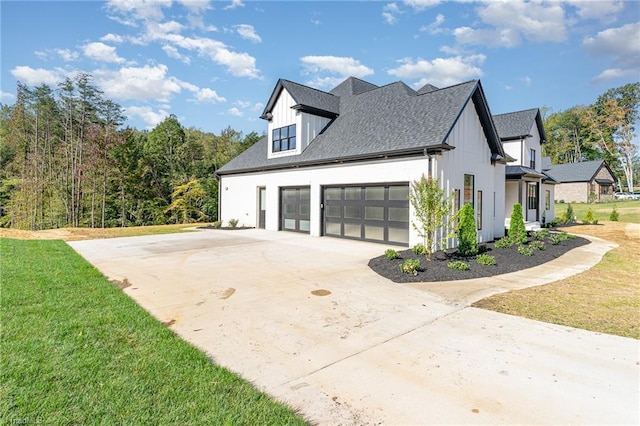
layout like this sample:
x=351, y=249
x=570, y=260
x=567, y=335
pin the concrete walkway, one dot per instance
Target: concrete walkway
x=307, y=321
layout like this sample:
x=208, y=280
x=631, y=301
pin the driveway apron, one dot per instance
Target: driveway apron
x=308, y=322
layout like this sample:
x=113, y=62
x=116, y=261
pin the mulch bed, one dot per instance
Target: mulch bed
x=507, y=260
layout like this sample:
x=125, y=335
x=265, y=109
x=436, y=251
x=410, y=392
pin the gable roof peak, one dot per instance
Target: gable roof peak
x=305, y=98
x=352, y=86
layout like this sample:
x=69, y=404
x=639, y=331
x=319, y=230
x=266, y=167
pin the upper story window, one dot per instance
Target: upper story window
x=284, y=138
x=532, y=159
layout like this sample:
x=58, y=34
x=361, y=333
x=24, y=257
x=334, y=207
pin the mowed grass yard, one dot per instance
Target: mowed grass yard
x=76, y=350
x=604, y=299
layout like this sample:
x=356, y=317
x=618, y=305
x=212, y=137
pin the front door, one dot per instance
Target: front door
x=262, y=207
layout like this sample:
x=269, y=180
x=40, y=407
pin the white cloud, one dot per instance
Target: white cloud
x=172, y=52
x=101, y=52
x=420, y=5
x=325, y=82
x=149, y=10
x=434, y=27
x=234, y=4
x=7, y=95
x=614, y=73
x=512, y=20
x=139, y=83
x=440, y=72
x=196, y=6
x=66, y=54
x=390, y=13
x=112, y=38
x=235, y=111
x=208, y=96
x=345, y=66
x=35, y=76
x=526, y=80
x=602, y=10
x=156, y=30
x=622, y=43
x=150, y=117
x=238, y=64
x=248, y=32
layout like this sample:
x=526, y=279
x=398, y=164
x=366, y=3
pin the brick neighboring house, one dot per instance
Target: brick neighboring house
x=581, y=182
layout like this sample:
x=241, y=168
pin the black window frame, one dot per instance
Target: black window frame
x=469, y=191
x=283, y=138
x=532, y=198
x=532, y=158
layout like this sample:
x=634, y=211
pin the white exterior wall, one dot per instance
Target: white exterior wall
x=472, y=156
x=519, y=149
x=283, y=115
x=239, y=197
x=311, y=125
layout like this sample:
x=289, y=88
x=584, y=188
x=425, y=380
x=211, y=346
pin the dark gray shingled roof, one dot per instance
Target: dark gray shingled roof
x=352, y=86
x=390, y=120
x=426, y=89
x=517, y=125
x=576, y=172
x=519, y=171
x=306, y=99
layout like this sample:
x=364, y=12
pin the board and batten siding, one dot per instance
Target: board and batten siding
x=311, y=126
x=308, y=126
x=472, y=156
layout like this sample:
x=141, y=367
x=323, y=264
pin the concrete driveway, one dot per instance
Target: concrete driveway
x=307, y=321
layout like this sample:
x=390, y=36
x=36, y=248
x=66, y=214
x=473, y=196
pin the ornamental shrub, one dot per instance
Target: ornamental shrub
x=233, y=223
x=467, y=233
x=525, y=250
x=614, y=216
x=589, y=217
x=410, y=266
x=517, y=231
x=458, y=265
x=419, y=249
x=485, y=259
x=537, y=245
x=392, y=254
x=504, y=242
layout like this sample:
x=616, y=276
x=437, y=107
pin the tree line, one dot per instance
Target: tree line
x=67, y=160
x=604, y=130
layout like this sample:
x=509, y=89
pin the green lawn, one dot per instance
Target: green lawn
x=76, y=350
x=629, y=211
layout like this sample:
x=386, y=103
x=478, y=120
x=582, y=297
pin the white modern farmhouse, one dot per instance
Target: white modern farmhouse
x=522, y=135
x=340, y=163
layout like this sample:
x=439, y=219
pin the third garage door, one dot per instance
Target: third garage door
x=377, y=212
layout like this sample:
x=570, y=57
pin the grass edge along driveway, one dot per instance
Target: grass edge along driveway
x=76, y=350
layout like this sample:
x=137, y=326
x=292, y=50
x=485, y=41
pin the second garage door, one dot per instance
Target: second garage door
x=367, y=212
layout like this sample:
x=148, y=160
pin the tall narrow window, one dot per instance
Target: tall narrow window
x=479, y=211
x=532, y=197
x=547, y=199
x=532, y=159
x=456, y=205
x=468, y=189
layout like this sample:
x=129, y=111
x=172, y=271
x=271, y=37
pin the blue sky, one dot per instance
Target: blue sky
x=215, y=63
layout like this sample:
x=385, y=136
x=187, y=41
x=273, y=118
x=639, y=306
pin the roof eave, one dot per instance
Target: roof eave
x=315, y=111
x=409, y=152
